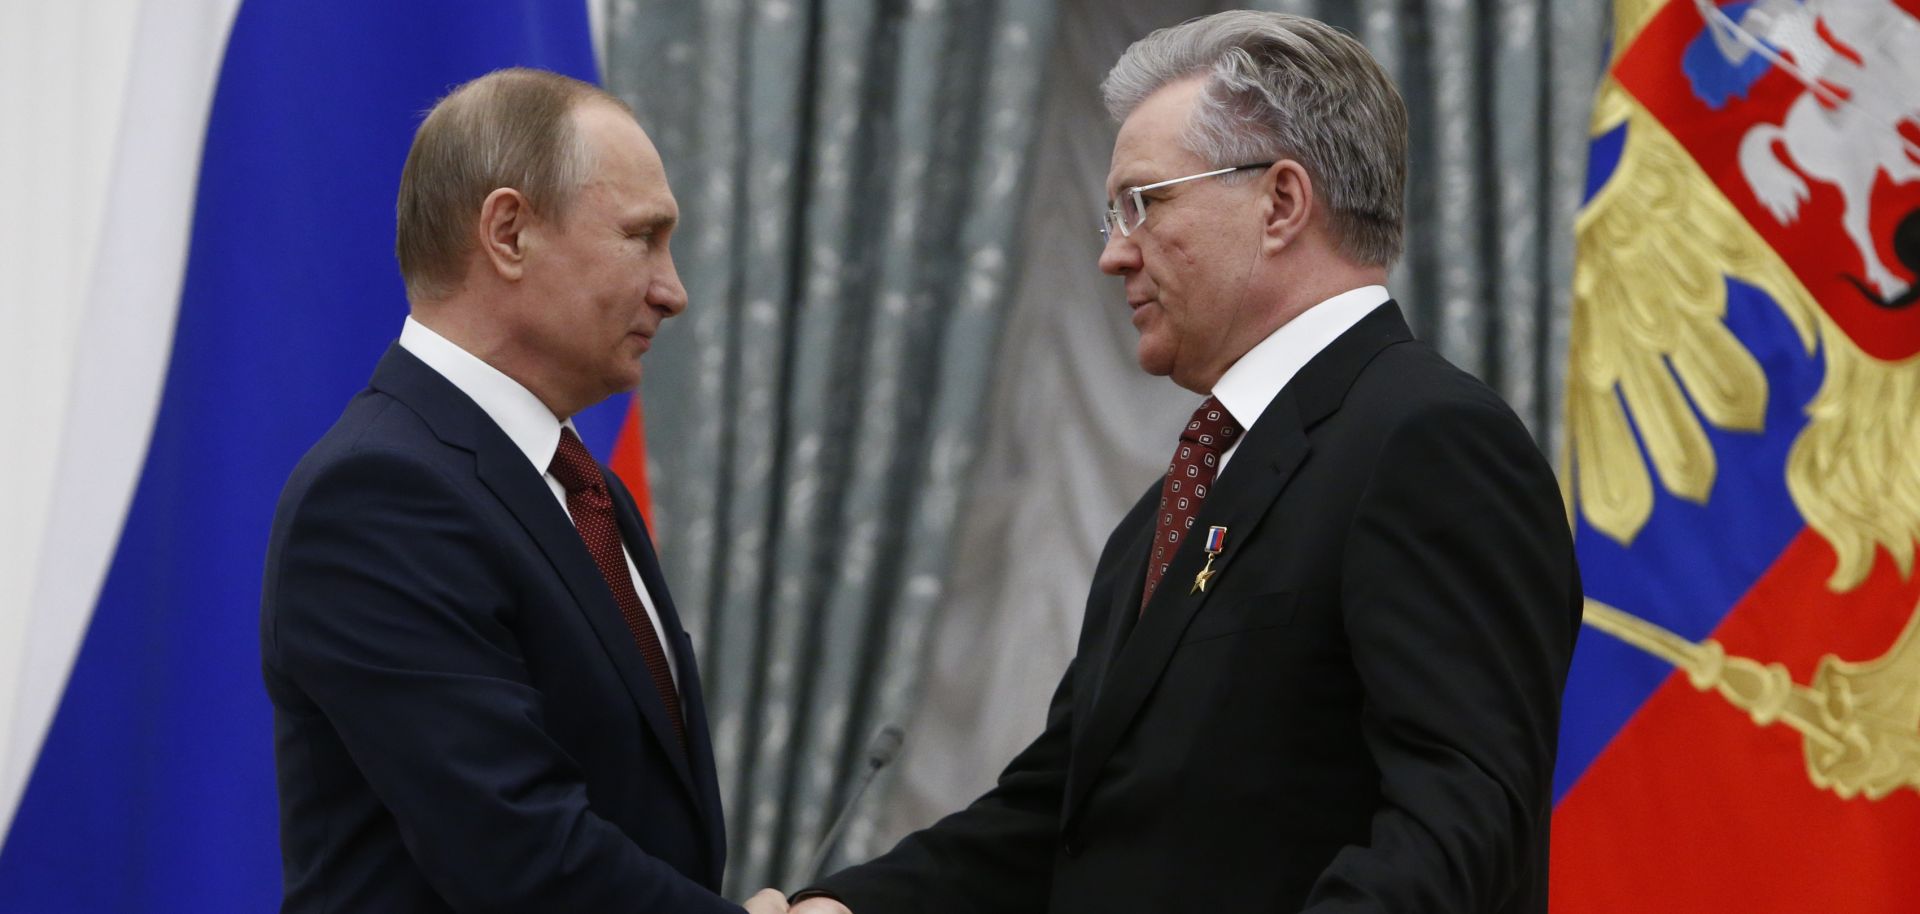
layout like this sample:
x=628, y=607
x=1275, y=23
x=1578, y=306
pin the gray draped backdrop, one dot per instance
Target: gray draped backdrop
x=901, y=414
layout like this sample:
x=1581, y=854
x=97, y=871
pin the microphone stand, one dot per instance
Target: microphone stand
x=880, y=753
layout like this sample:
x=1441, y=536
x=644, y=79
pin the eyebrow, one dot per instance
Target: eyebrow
x=654, y=221
x=1136, y=180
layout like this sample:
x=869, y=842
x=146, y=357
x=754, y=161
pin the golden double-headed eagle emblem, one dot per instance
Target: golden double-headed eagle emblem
x=1650, y=344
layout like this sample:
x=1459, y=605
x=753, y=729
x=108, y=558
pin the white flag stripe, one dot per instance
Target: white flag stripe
x=58, y=146
x=123, y=338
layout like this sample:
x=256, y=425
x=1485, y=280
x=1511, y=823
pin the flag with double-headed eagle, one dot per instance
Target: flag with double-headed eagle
x=1742, y=725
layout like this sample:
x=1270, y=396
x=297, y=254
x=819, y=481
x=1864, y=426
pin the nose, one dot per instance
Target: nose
x=1120, y=256
x=666, y=292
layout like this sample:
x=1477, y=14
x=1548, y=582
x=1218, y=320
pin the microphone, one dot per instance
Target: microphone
x=881, y=752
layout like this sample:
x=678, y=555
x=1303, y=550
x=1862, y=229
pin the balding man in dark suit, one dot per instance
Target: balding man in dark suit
x=483, y=697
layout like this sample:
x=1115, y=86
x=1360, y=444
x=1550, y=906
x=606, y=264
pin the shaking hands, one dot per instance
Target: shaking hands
x=772, y=901
x=767, y=901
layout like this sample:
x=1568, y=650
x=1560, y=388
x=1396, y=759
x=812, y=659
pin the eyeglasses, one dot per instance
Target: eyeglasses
x=1125, y=214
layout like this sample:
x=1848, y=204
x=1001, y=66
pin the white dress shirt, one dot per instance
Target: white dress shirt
x=527, y=421
x=1252, y=382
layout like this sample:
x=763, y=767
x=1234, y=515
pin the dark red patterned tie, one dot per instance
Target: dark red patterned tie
x=1207, y=435
x=592, y=510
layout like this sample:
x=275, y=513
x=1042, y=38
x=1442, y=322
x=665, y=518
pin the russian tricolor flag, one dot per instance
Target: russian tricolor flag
x=243, y=287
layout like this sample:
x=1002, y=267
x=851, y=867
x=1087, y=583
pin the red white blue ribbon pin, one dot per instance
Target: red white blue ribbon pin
x=1216, y=543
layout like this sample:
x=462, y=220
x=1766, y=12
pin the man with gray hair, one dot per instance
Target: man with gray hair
x=1321, y=662
x=483, y=697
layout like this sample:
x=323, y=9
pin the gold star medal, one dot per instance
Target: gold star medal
x=1216, y=541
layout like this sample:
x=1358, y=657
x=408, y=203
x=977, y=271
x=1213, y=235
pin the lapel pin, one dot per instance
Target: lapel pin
x=1216, y=541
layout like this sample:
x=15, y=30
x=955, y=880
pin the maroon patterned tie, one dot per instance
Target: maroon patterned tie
x=592, y=510
x=1206, y=437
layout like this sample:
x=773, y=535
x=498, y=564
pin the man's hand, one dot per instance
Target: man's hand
x=819, y=905
x=767, y=901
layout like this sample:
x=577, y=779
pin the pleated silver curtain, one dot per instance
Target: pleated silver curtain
x=901, y=413
x=849, y=175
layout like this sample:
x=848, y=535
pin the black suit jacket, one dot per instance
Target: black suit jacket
x=1359, y=715
x=462, y=719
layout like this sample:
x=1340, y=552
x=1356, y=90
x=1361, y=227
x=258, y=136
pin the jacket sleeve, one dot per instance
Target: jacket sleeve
x=388, y=617
x=1460, y=602
x=994, y=856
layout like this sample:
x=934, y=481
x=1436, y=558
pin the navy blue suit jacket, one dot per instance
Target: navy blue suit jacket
x=462, y=719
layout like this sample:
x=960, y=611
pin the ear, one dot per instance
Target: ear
x=505, y=220
x=1289, y=204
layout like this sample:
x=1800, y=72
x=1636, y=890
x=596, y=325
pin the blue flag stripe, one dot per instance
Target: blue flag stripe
x=154, y=791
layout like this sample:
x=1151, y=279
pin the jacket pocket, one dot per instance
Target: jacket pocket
x=1261, y=611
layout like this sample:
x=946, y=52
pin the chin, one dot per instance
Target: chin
x=624, y=381
x=1152, y=361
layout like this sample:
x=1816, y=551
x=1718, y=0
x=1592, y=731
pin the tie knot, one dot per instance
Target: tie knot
x=1211, y=426
x=573, y=466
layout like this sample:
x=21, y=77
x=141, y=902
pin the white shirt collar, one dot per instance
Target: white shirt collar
x=519, y=413
x=1251, y=383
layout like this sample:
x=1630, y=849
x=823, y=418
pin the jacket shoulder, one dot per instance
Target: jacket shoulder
x=373, y=427
x=1411, y=382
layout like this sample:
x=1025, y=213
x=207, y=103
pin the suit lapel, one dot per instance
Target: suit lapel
x=700, y=745
x=1121, y=594
x=692, y=702
x=1259, y=470
x=1267, y=459
x=504, y=470
x=526, y=494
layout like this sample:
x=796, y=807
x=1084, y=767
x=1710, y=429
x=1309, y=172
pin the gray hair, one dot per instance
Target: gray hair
x=510, y=128
x=1286, y=87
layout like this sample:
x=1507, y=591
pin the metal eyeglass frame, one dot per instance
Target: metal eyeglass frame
x=1111, y=219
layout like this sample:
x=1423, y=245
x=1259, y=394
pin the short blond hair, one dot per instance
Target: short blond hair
x=510, y=128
